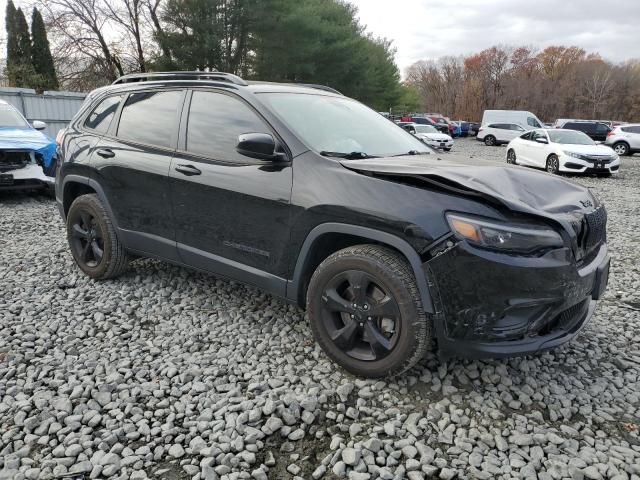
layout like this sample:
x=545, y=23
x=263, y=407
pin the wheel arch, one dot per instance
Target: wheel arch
x=75, y=185
x=328, y=238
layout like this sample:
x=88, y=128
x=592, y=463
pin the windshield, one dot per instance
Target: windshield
x=569, y=137
x=425, y=129
x=339, y=124
x=10, y=118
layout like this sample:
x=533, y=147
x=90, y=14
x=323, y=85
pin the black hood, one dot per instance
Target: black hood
x=517, y=188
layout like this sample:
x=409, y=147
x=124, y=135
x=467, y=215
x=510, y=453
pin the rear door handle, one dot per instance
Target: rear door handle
x=106, y=153
x=188, y=170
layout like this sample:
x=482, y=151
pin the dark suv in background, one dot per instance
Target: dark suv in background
x=597, y=131
x=316, y=198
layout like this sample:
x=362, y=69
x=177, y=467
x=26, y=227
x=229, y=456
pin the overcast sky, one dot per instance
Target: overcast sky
x=428, y=29
x=424, y=29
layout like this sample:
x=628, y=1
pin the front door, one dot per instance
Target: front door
x=231, y=211
x=132, y=166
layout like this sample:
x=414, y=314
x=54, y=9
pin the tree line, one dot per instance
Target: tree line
x=29, y=62
x=306, y=41
x=556, y=82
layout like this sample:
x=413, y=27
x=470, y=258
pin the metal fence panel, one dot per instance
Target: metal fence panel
x=54, y=108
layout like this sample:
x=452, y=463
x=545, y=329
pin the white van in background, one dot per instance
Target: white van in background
x=526, y=120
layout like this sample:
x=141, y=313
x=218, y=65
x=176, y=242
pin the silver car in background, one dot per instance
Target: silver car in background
x=624, y=139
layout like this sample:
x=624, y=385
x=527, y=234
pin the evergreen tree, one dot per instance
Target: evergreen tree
x=19, y=68
x=42, y=59
x=12, y=41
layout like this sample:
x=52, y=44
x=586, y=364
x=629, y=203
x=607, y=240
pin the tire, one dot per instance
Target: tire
x=553, y=164
x=621, y=148
x=511, y=157
x=490, y=141
x=89, y=232
x=403, y=336
x=604, y=174
x=447, y=149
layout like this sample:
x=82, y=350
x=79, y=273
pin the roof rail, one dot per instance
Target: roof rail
x=156, y=76
x=318, y=87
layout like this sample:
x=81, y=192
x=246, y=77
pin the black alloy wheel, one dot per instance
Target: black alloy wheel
x=93, y=240
x=361, y=318
x=87, y=239
x=366, y=312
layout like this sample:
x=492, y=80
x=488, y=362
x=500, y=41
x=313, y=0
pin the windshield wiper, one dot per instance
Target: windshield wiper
x=411, y=152
x=347, y=156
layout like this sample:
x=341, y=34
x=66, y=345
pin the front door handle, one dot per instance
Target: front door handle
x=188, y=170
x=106, y=153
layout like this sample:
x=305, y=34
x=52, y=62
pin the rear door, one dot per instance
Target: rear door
x=601, y=131
x=231, y=211
x=633, y=135
x=132, y=164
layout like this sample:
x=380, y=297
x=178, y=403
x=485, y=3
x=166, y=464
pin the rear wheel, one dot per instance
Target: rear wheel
x=94, y=244
x=553, y=164
x=489, y=140
x=511, y=156
x=621, y=149
x=365, y=311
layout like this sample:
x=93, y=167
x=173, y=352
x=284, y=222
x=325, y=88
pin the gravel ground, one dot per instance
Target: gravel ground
x=167, y=373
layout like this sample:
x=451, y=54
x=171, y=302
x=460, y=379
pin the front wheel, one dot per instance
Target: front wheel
x=553, y=164
x=365, y=311
x=447, y=149
x=489, y=140
x=94, y=244
x=511, y=157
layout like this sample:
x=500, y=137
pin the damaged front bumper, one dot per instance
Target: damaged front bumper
x=497, y=305
x=21, y=170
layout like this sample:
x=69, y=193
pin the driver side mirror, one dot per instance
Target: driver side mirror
x=38, y=125
x=542, y=140
x=258, y=145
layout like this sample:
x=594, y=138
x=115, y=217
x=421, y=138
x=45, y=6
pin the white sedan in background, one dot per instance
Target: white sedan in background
x=560, y=150
x=432, y=137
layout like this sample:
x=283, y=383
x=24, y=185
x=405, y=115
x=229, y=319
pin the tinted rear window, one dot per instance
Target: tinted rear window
x=150, y=117
x=100, y=118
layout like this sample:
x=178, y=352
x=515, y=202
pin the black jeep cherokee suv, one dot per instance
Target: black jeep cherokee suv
x=314, y=197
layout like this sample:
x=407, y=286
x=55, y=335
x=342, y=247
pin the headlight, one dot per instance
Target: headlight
x=517, y=238
x=574, y=155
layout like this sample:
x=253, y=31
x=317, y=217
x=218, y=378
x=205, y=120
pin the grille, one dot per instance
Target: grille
x=599, y=158
x=594, y=229
x=10, y=160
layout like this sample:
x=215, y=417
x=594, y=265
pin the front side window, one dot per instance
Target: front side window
x=215, y=122
x=100, y=118
x=10, y=118
x=533, y=122
x=526, y=136
x=339, y=124
x=150, y=117
x=538, y=134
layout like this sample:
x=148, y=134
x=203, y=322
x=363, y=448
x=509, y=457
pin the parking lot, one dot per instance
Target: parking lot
x=170, y=373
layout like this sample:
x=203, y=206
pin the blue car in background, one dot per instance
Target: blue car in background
x=27, y=156
x=457, y=130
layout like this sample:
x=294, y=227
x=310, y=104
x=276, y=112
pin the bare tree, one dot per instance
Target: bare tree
x=128, y=15
x=597, y=89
